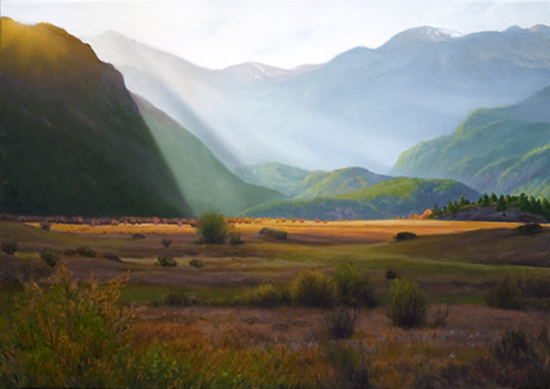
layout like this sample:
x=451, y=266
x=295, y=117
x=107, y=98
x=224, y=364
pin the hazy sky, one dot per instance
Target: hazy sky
x=284, y=33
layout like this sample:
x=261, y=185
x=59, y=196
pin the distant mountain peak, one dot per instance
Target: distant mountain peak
x=425, y=34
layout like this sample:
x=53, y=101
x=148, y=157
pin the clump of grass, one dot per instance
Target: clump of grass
x=69, y=252
x=354, y=288
x=166, y=242
x=50, y=256
x=401, y=236
x=390, y=274
x=138, y=236
x=177, y=299
x=9, y=246
x=408, y=304
x=269, y=296
x=212, y=228
x=235, y=237
x=313, y=289
x=505, y=294
x=529, y=229
x=440, y=316
x=198, y=263
x=536, y=285
x=340, y=323
x=85, y=251
x=166, y=261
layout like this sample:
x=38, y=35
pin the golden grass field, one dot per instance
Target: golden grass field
x=454, y=262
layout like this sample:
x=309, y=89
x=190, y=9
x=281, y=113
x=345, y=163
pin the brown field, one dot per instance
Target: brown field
x=454, y=262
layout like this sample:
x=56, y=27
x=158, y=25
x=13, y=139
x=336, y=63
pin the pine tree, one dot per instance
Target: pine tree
x=501, y=204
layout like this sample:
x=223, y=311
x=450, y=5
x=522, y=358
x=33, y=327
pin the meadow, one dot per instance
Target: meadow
x=203, y=325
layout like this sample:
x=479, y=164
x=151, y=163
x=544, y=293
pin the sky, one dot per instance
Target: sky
x=283, y=33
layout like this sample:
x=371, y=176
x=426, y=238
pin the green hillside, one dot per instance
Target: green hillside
x=205, y=183
x=300, y=184
x=385, y=200
x=72, y=141
x=501, y=150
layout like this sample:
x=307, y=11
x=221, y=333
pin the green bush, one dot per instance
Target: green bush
x=166, y=242
x=505, y=294
x=390, y=274
x=166, y=261
x=67, y=336
x=235, y=238
x=354, y=288
x=350, y=367
x=212, y=229
x=50, y=256
x=112, y=257
x=313, y=289
x=340, y=323
x=269, y=296
x=9, y=246
x=408, y=304
x=138, y=236
x=198, y=263
x=85, y=251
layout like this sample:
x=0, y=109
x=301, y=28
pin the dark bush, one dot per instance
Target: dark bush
x=69, y=252
x=390, y=274
x=49, y=256
x=354, y=288
x=165, y=261
x=313, y=289
x=45, y=226
x=340, y=323
x=350, y=367
x=138, y=236
x=9, y=246
x=529, y=229
x=85, y=251
x=112, y=257
x=177, y=299
x=269, y=296
x=401, y=236
x=535, y=285
x=198, y=263
x=235, y=238
x=505, y=294
x=212, y=229
x=408, y=304
x=440, y=316
x=166, y=242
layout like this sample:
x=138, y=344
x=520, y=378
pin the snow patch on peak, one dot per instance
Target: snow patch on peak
x=425, y=33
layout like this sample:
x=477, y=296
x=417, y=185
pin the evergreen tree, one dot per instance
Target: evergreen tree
x=493, y=199
x=501, y=204
x=485, y=202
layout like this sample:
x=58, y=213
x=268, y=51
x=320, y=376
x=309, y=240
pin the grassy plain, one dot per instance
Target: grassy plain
x=454, y=262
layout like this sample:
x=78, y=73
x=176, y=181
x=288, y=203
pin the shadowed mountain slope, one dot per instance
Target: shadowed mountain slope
x=72, y=141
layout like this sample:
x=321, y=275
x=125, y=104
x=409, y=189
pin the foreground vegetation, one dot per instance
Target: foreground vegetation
x=391, y=314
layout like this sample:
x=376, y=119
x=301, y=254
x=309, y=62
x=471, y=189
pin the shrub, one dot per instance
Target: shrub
x=441, y=316
x=112, y=257
x=535, y=285
x=401, y=236
x=196, y=263
x=340, y=323
x=45, y=226
x=354, y=288
x=67, y=336
x=269, y=295
x=69, y=252
x=177, y=299
x=390, y=274
x=350, y=367
x=49, y=256
x=212, y=229
x=138, y=236
x=85, y=251
x=529, y=229
x=9, y=246
x=166, y=242
x=408, y=304
x=166, y=261
x=234, y=237
x=313, y=289
x=505, y=294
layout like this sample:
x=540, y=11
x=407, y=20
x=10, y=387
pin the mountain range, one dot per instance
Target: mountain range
x=501, y=150
x=363, y=108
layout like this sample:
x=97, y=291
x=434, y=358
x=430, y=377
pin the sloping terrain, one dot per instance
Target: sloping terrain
x=503, y=150
x=205, y=183
x=72, y=141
